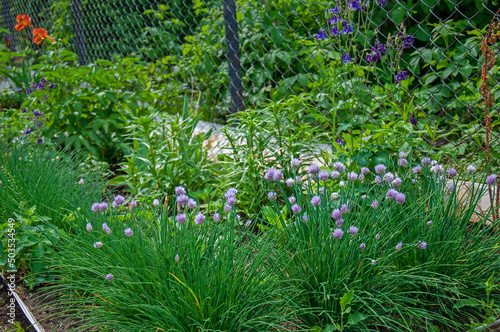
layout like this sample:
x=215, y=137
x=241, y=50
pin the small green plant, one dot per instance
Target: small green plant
x=166, y=152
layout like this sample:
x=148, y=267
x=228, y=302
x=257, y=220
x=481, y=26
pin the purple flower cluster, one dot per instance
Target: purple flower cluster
x=99, y=207
x=401, y=76
x=273, y=174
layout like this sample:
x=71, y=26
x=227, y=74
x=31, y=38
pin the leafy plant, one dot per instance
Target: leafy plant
x=166, y=152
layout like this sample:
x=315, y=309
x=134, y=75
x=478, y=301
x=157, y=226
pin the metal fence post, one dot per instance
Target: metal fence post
x=233, y=56
x=80, y=48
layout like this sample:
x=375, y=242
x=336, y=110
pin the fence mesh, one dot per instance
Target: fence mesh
x=280, y=55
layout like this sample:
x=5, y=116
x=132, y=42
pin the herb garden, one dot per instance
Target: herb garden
x=249, y=166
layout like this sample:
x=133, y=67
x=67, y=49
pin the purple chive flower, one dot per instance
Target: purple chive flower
x=397, y=183
x=377, y=236
x=292, y=199
x=344, y=208
x=278, y=175
x=450, y=188
x=231, y=201
x=452, y=172
x=295, y=163
x=353, y=230
x=238, y=217
x=97, y=245
x=129, y=232
x=378, y=179
x=437, y=169
x=338, y=233
x=426, y=161
x=216, y=217
x=471, y=169
x=290, y=182
x=103, y=206
x=114, y=205
x=156, y=202
x=407, y=40
x=313, y=169
x=491, y=179
x=363, y=196
x=304, y=218
x=89, y=227
x=339, y=167
x=336, y=214
x=269, y=176
x=321, y=190
x=365, y=170
x=104, y=226
x=179, y=190
x=399, y=246
x=335, y=196
x=191, y=204
x=271, y=195
x=119, y=200
x=95, y=207
x=374, y=261
x=199, y=219
x=177, y=258
x=109, y=276
x=388, y=177
x=227, y=208
x=429, y=223
x=133, y=204
x=108, y=230
x=401, y=76
x=422, y=245
x=248, y=223
x=417, y=169
x=361, y=177
x=296, y=208
x=351, y=176
x=321, y=35
x=402, y=155
x=335, y=175
x=375, y=204
x=181, y=218
x=380, y=168
x=298, y=179
x=231, y=192
x=362, y=246
x=391, y=194
x=323, y=175
x=345, y=56
x=402, y=162
x=315, y=201
x=339, y=222
x=347, y=29
x=400, y=198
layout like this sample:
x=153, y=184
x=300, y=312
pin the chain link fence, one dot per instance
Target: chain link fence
x=274, y=53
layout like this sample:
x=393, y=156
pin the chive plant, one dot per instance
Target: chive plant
x=390, y=247
x=133, y=267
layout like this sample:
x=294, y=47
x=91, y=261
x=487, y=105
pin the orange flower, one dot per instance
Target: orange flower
x=39, y=34
x=23, y=21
